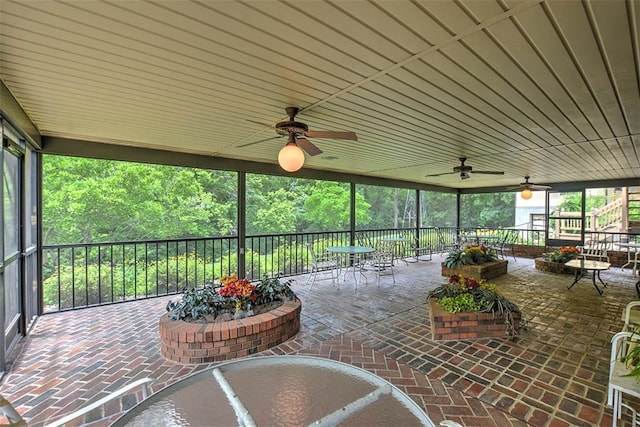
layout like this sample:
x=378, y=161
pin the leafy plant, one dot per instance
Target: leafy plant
x=470, y=255
x=271, y=289
x=468, y=294
x=564, y=254
x=230, y=295
x=631, y=358
x=197, y=303
x=454, y=259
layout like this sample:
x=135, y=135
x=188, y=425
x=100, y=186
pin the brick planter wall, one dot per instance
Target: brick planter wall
x=488, y=270
x=553, y=267
x=193, y=343
x=467, y=325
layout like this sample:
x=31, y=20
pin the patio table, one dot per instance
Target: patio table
x=352, y=256
x=278, y=390
x=582, y=266
x=633, y=249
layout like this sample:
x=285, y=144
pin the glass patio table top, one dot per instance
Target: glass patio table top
x=279, y=390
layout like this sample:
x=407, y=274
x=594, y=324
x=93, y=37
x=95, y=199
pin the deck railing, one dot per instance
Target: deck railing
x=83, y=275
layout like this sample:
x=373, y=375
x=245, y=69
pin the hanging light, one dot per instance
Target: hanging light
x=291, y=157
x=526, y=194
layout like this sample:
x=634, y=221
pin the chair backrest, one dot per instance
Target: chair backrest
x=311, y=251
x=595, y=251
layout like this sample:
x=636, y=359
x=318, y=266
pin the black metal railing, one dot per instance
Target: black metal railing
x=83, y=275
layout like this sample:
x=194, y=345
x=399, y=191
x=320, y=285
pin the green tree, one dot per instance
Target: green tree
x=327, y=207
x=91, y=200
x=488, y=210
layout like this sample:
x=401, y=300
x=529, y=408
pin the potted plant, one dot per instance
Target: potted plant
x=230, y=298
x=480, y=262
x=468, y=295
x=554, y=261
x=470, y=255
x=229, y=318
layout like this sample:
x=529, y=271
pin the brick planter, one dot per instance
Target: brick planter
x=466, y=325
x=553, y=267
x=488, y=270
x=193, y=343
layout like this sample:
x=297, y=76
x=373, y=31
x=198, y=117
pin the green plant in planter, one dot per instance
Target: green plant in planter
x=564, y=254
x=470, y=255
x=461, y=294
x=631, y=359
x=232, y=295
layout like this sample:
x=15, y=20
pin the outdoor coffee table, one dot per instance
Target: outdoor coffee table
x=584, y=266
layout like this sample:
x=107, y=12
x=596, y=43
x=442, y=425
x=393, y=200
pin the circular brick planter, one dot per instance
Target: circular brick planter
x=553, y=267
x=193, y=343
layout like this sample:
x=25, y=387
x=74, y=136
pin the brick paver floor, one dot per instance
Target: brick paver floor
x=553, y=374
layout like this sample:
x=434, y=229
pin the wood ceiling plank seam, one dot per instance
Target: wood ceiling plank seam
x=60, y=86
x=129, y=79
x=417, y=19
x=393, y=43
x=468, y=59
x=427, y=51
x=347, y=32
x=110, y=59
x=616, y=45
x=617, y=148
x=586, y=159
x=253, y=40
x=511, y=76
x=537, y=27
x=245, y=56
x=443, y=132
x=164, y=81
x=582, y=46
x=442, y=116
x=465, y=108
x=399, y=131
x=254, y=19
x=65, y=87
x=78, y=94
x=525, y=55
x=468, y=84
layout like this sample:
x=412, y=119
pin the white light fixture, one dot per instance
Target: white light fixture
x=291, y=157
x=526, y=194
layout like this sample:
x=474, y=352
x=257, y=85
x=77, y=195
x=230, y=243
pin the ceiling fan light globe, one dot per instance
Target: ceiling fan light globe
x=291, y=158
x=526, y=194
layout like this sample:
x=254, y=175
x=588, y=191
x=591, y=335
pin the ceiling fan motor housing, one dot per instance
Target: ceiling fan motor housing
x=285, y=128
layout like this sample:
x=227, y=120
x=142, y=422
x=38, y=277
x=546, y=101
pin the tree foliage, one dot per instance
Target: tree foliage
x=92, y=200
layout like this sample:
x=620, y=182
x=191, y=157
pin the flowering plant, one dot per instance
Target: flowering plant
x=564, y=254
x=468, y=294
x=230, y=298
x=240, y=290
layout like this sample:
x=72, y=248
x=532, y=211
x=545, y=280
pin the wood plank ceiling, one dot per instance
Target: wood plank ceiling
x=548, y=88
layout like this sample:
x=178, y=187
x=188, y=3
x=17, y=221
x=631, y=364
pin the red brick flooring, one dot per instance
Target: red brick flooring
x=554, y=374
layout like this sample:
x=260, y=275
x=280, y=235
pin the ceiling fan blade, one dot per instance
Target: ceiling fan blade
x=351, y=136
x=538, y=187
x=307, y=146
x=488, y=172
x=258, y=142
x=440, y=174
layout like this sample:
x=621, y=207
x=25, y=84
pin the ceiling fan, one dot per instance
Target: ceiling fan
x=526, y=185
x=465, y=171
x=296, y=132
